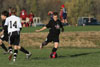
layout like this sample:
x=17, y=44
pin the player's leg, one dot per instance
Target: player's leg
x=10, y=49
x=62, y=21
x=66, y=20
x=43, y=44
x=15, y=53
x=3, y=46
x=22, y=49
x=48, y=39
x=53, y=53
x=11, y=40
x=56, y=44
x=17, y=41
x=9, y=46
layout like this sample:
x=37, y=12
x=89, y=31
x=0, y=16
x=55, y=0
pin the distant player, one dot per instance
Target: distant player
x=4, y=32
x=63, y=15
x=13, y=23
x=23, y=16
x=31, y=16
x=54, y=26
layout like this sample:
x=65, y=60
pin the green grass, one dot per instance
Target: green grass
x=67, y=29
x=68, y=57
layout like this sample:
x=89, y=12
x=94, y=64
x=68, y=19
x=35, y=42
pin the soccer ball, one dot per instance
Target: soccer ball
x=53, y=55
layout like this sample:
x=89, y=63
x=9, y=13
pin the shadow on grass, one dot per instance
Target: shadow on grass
x=77, y=55
x=67, y=56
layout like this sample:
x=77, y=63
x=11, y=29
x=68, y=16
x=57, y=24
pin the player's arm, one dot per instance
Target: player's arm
x=6, y=25
x=41, y=29
x=45, y=27
x=2, y=32
x=20, y=29
x=20, y=25
x=5, y=28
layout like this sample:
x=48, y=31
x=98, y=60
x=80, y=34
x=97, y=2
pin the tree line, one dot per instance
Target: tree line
x=82, y=8
x=75, y=8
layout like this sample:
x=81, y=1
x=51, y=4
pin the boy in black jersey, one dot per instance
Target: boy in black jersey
x=54, y=26
x=4, y=33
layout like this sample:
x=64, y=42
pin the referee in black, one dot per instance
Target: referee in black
x=54, y=30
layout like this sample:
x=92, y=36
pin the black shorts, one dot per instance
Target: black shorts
x=64, y=16
x=14, y=38
x=51, y=38
x=4, y=38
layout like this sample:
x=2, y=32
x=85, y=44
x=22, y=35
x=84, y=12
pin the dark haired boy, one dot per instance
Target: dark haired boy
x=54, y=31
x=4, y=32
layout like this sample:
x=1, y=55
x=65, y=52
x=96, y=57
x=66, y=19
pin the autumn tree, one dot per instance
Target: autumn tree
x=79, y=8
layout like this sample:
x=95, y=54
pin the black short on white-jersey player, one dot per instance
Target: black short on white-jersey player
x=54, y=30
x=13, y=23
x=4, y=33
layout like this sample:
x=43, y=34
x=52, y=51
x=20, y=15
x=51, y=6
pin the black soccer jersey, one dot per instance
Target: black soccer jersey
x=54, y=27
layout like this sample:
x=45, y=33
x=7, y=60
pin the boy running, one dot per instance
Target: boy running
x=13, y=23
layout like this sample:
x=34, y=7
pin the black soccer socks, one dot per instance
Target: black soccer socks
x=24, y=50
x=10, y=50
x=54, y=49
x=44, y=43
x=15, y=54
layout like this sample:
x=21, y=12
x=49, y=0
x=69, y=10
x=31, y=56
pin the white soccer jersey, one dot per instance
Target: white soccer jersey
x=14, y=23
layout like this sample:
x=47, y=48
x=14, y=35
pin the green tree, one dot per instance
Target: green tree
x=48, y=5
x=97, y=9
x=31, y=5
x=79, y=8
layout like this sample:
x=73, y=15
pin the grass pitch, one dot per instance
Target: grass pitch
x=67, y=57
x=66, y=29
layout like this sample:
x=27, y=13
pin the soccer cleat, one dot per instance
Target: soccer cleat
x=14, y=60
x=10, y=57
x=53, y=55
x=28, y=55
x=11, y=54
x=9, y=51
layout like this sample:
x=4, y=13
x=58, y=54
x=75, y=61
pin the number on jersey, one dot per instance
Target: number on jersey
x=13, y=25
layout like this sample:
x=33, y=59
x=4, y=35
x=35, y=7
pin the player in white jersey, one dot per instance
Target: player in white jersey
x=13, y=23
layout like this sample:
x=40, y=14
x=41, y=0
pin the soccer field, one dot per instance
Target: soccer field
x=67, y=57
x=66, y=29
